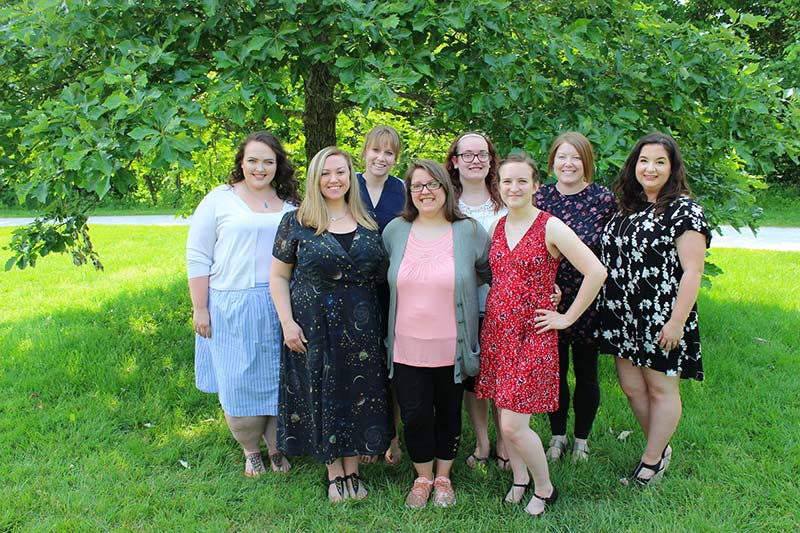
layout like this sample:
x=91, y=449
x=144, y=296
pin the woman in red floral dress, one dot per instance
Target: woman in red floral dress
x=519, y=340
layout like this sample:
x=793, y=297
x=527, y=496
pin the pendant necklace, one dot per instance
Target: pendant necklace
x=334, y=219
x=251, y=193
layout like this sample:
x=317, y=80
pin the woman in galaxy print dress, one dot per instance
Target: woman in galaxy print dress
x=328, y=260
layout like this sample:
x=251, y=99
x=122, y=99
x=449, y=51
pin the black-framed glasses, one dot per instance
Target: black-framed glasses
x=469, y=157
x=431, y=186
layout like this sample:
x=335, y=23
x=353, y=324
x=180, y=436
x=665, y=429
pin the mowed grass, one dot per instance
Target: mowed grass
x=781, y=205
x=99, y=413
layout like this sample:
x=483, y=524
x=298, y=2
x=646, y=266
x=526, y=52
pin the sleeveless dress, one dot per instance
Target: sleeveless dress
x=519, y=367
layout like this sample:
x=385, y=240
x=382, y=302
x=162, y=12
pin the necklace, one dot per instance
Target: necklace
x=251, y=193
x=334, y=219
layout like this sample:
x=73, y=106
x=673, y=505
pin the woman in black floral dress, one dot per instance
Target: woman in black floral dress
x=654, y=249
x=328, y=260
x=585, y=207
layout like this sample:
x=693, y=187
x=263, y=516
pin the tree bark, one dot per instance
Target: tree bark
x=319, y=117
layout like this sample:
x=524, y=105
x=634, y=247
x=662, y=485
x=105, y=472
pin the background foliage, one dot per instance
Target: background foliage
x=146, y=101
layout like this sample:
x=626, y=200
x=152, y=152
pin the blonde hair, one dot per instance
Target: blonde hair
x=377, y=135
x=313, y=211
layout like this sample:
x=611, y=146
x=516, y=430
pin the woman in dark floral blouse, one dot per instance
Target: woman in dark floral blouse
x=585, y=207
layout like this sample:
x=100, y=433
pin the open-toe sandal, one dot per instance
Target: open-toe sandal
x=356, y=483
x=657, y=469
x=279, y=463
x=550, y=500
x=556, y=448
x=580, y=452
x=473, y=461
x=666, y=456
x=339, y=483
x=525, y=488
x=254, y=465
x=503, y=463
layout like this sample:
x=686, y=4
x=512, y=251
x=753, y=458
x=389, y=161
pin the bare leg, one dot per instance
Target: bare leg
x=247, y=430
x=502, y=455
x=394, y=453
x=631, y=379
x=527, y=445
x=665, y=413
x=478, y=411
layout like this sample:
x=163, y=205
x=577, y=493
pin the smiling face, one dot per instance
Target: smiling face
x=475, y=170
x=334, y=181
x=259, y=165
x=516, y=184
x=429, y=203
x=568, y=167
x=653, y=169
x=380, y=157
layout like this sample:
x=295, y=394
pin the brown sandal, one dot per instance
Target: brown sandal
x=254, y=465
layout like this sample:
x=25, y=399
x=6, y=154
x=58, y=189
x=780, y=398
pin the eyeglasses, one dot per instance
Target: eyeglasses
x=431, y=186
x=469, y=157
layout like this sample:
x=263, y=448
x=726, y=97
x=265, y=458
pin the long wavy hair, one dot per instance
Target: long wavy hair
x=313, y=211
x=437, y=172
x=631, y=195
x=284, y=183
x=582, y=146
x=491, y=177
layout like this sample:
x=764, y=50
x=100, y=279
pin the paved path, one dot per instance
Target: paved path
x=768, y=237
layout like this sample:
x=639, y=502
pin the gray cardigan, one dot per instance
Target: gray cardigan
x=471, y=253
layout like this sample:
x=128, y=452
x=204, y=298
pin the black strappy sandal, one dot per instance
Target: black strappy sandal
x=550, y=500
x=525, y=488
x=340, y=488
x=657, y=469
x=355, y=483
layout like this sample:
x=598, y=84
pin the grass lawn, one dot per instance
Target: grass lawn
x=101, y=427
x=781, y=205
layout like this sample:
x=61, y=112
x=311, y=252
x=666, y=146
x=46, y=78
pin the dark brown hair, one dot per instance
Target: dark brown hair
x=491, y=177
x=631, y=195
x=284, y=183
x=437, y=172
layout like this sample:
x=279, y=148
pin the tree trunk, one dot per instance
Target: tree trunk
x=319, y=117
x=151, y=188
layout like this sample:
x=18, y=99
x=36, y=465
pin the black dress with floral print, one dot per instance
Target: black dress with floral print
x=644, y=272
x=333, y=400
x=586, y=213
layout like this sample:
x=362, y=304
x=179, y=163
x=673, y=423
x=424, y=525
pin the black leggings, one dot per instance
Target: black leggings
x=430, y=407
x=587, y=391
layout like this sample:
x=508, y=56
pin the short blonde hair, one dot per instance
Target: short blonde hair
x=313, y=211
x=380, y=133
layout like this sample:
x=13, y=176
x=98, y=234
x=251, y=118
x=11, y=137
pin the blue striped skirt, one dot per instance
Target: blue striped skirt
x=241, y=361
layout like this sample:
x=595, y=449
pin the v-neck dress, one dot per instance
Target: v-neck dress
x=519, y=367
x=333, y=399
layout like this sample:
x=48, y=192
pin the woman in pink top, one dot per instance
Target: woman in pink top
x=437, y=260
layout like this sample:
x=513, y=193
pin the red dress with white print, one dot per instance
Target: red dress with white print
x=519, y=367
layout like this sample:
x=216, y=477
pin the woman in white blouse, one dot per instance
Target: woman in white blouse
x=228, y=256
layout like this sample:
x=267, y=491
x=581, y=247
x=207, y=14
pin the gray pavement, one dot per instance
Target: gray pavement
x=767, y=237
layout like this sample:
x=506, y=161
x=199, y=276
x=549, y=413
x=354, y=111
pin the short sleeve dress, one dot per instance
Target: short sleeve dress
x=333, y=399
x=519, y=367
x=586, y=213
x=643, y=276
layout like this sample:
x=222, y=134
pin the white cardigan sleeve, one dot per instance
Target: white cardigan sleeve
x=202, y=238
